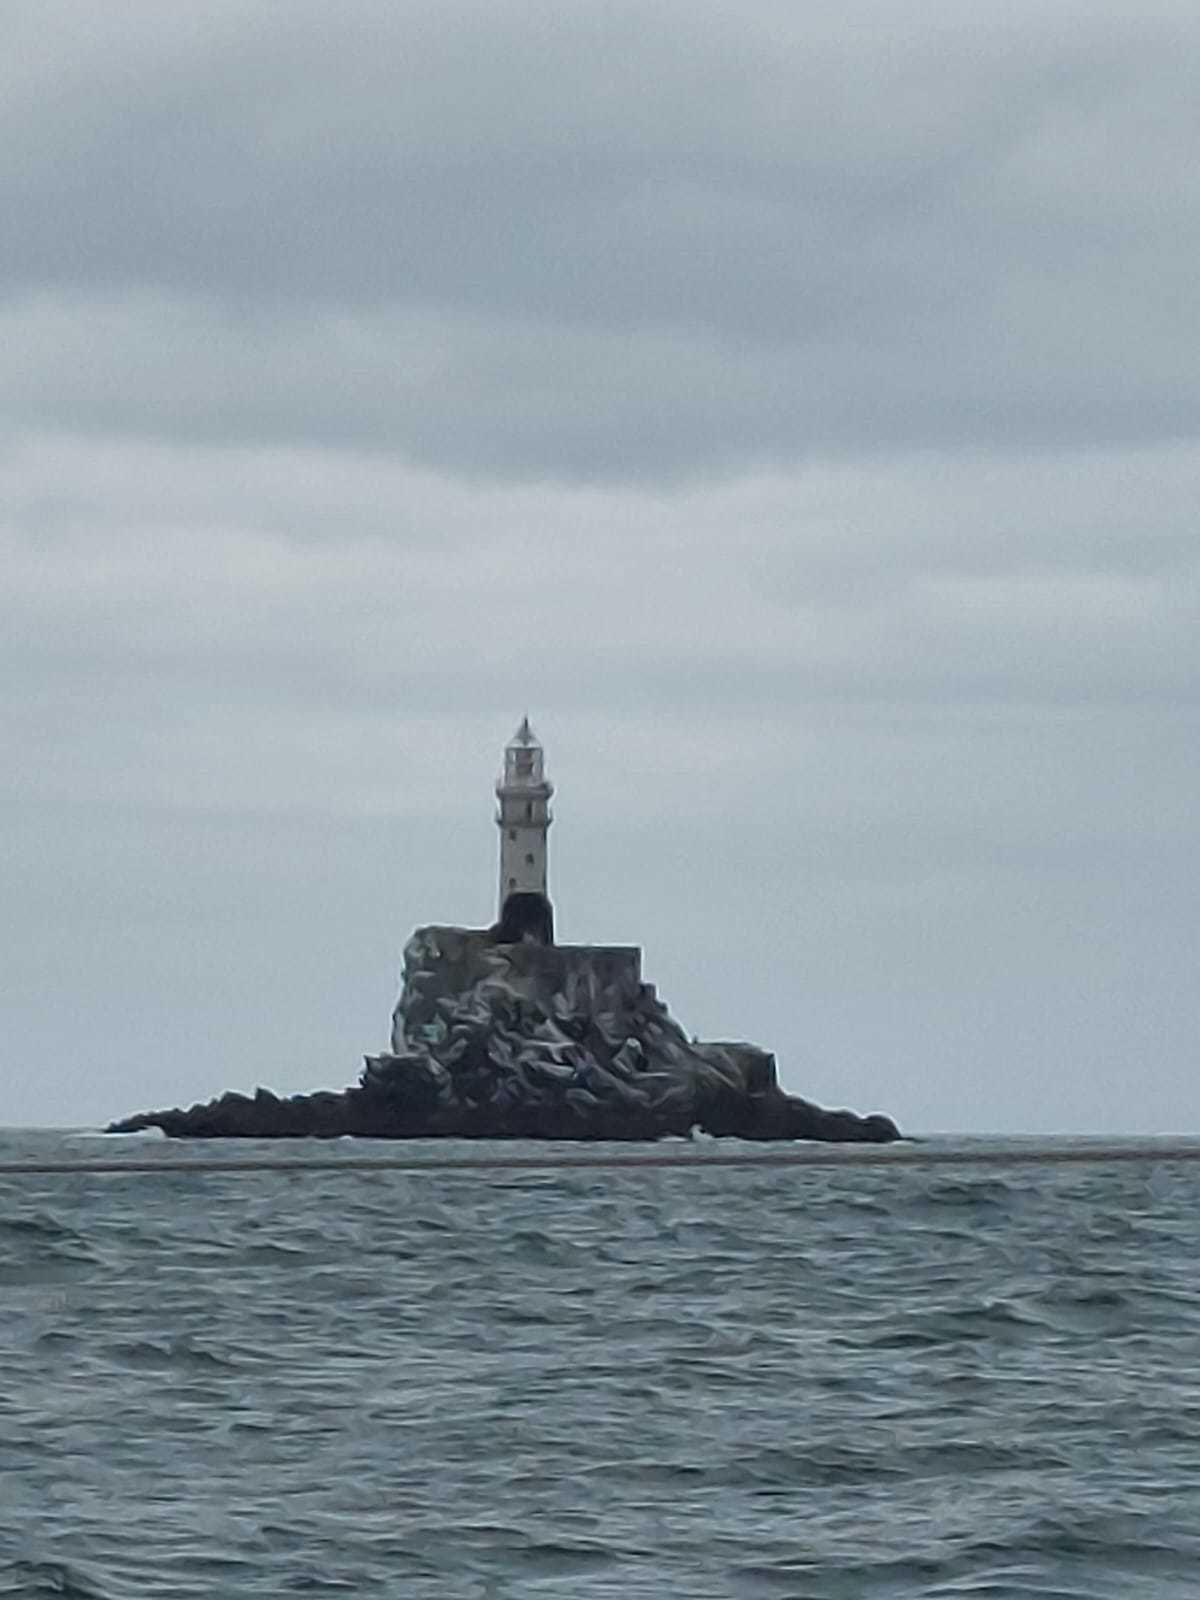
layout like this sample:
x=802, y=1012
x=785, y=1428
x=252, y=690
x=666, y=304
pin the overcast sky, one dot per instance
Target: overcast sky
x=795, y=409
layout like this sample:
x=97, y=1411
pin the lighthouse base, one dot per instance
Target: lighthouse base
x=526, y=919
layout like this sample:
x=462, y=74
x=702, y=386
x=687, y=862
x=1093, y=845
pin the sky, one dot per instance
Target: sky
x=794, y=409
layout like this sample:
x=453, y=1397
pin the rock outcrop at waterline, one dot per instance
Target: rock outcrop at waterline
x=531, y=1041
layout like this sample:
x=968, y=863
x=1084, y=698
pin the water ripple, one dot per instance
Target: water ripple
x=792, y=1384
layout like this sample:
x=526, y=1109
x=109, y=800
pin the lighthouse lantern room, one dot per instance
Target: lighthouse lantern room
x=523, y=817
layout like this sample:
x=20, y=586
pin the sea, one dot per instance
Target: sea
x=954, y=1368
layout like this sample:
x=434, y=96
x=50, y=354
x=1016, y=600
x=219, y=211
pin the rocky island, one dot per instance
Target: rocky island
x=500, y=1033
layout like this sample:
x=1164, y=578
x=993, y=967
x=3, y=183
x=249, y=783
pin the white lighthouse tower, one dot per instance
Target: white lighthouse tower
x=523, y=817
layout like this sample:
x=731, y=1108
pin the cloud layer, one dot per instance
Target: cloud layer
x=609, y=242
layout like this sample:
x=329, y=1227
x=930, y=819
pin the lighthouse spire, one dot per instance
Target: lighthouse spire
x=523, y=817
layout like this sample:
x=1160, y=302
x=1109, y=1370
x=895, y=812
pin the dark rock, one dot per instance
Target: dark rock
x=496, y=1038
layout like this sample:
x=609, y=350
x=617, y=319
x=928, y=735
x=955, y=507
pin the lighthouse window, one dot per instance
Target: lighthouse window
x=528, y=861
x=529, y=808
x=512, y=834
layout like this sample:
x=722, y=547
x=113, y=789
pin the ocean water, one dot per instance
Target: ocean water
x=825, y=1381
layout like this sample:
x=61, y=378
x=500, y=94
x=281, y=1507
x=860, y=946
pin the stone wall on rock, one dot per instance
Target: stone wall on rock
x=465, y=972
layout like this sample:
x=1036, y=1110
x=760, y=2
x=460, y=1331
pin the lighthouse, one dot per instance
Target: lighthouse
x=523, y=817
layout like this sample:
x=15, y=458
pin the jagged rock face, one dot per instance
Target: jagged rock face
x=528, y=1040
x=568, y=1042
x=539, y=1039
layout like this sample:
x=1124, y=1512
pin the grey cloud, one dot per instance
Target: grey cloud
x=331, y=580
x=613, y=241
x=205, y=599
x=504, y=401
